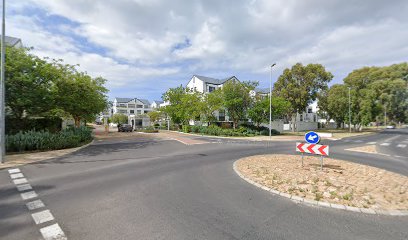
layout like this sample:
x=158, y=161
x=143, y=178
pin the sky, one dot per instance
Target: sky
x=144, y=47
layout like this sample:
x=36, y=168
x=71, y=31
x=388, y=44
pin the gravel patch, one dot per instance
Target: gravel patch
x=340, y=182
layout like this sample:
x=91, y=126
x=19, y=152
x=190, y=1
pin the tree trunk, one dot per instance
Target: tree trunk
x=77, y=121
x=293, y=122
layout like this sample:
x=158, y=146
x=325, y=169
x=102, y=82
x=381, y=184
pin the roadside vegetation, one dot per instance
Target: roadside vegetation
x=41, y=93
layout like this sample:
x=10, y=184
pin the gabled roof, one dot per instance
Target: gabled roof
x=213, y=80
x=12, y=41
x=262, y=90
x=123, y=100
x=144, y=101
x=157, y=102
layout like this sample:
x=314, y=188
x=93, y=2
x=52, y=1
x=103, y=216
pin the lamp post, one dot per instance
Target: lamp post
x=349, y=88
x=270, y=103
x=2, y=88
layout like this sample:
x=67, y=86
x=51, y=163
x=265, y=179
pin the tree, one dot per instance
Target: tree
x=337, y=103
x=212, y=102
x=236, y=99
x=300, y=85
x=29, y=80
x=185, y=105
x=259, y=112
x=155, y=116
x=119, y=118
x=379, y=90
x=81, y=96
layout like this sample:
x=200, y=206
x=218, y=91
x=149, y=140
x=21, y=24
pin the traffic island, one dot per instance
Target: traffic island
x=341, y=184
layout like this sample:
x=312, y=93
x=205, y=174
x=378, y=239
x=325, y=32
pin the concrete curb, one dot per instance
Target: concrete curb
x=10, y=165
x=305, y=201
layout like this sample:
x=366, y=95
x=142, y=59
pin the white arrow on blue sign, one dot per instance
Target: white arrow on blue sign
x=312, y=137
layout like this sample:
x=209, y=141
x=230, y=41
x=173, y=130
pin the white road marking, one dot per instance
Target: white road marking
x=28, y=195
x=35, y=204
x=42, y=217
x=16, y=175
x=53, y=232
x=385, y=144
x=20, y=181
x=14, y=170
x=371, y=143
x=358, y=141
x=24, y=187
x=401, y=145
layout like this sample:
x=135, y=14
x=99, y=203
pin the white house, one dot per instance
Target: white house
x=206, y=85
x=156, y=104
x=135, y=108
x=13, y=42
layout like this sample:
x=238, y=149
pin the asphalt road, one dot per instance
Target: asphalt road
x=148, y=188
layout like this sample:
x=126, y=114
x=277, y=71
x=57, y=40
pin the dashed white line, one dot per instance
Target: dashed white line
x=371, y=143
x=16, y=175
x=42, y=217
x=24, y=187
x=53, y=232
x=14, y=170
x=385, y=144
x=401, y=145
x=20, y=181
x=35, y=204
x=28, y=195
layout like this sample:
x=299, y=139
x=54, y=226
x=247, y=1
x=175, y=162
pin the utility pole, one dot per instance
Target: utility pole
x=270, y=103
x=2, y=88
x=385, y=114
x=349, y=88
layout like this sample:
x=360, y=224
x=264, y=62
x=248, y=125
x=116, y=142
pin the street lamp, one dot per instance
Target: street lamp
x=349, y=88
x=270, y=103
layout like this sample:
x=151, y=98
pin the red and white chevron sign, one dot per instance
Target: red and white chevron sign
x=312, y=148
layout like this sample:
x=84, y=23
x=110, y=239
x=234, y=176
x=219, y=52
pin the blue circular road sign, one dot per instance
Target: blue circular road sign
x=312, y=137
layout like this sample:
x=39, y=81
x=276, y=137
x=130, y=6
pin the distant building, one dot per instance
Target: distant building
x=156, y=104
x=135, y=108
x=13, y=42
x=206, y=84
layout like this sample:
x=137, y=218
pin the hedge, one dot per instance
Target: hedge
x=45, y=140
x=242, y=131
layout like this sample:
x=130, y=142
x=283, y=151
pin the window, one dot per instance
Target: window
x=131, y=105
x=309, y=110
x=122, y=111
x=301, y=117
x=132, y=111
x=146, y=106
x=146, y=112
x=139, y=106
x=211, y=89
x=221, y=115
x=122, y=105
x=139, y=112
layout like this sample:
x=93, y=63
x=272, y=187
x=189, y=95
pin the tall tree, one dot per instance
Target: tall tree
x=236, y=99
x=337, y=103
x=119, y=118
x=259, y=112
x=300, y=85
x=212, y=102
x=81, y=96
x=28, y=84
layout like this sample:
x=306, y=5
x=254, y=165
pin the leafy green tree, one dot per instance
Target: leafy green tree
x=337, y=103
x=119, y=118
x=212, y=102
x=300, y=85
x=259, y=112
x=236, y=99
x=81, y=96
x=29, y=81
x=185, y=105
x=155, y=116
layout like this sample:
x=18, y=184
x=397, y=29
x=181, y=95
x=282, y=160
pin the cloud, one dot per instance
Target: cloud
x=141, y=41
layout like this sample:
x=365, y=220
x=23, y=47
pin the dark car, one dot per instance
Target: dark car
x=125, y=128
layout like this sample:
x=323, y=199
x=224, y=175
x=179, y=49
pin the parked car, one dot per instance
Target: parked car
x=391, y=127
x=125, y=128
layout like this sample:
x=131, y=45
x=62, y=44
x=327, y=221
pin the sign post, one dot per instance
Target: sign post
x=313, y=147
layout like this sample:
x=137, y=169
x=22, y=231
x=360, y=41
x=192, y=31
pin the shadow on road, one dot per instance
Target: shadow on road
x=14, y=214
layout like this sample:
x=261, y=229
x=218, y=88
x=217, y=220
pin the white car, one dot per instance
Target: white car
x=390, y=127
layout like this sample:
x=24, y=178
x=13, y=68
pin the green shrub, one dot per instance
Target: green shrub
x=45, y=140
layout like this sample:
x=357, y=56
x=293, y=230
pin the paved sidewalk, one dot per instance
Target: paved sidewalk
x=15, y=160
